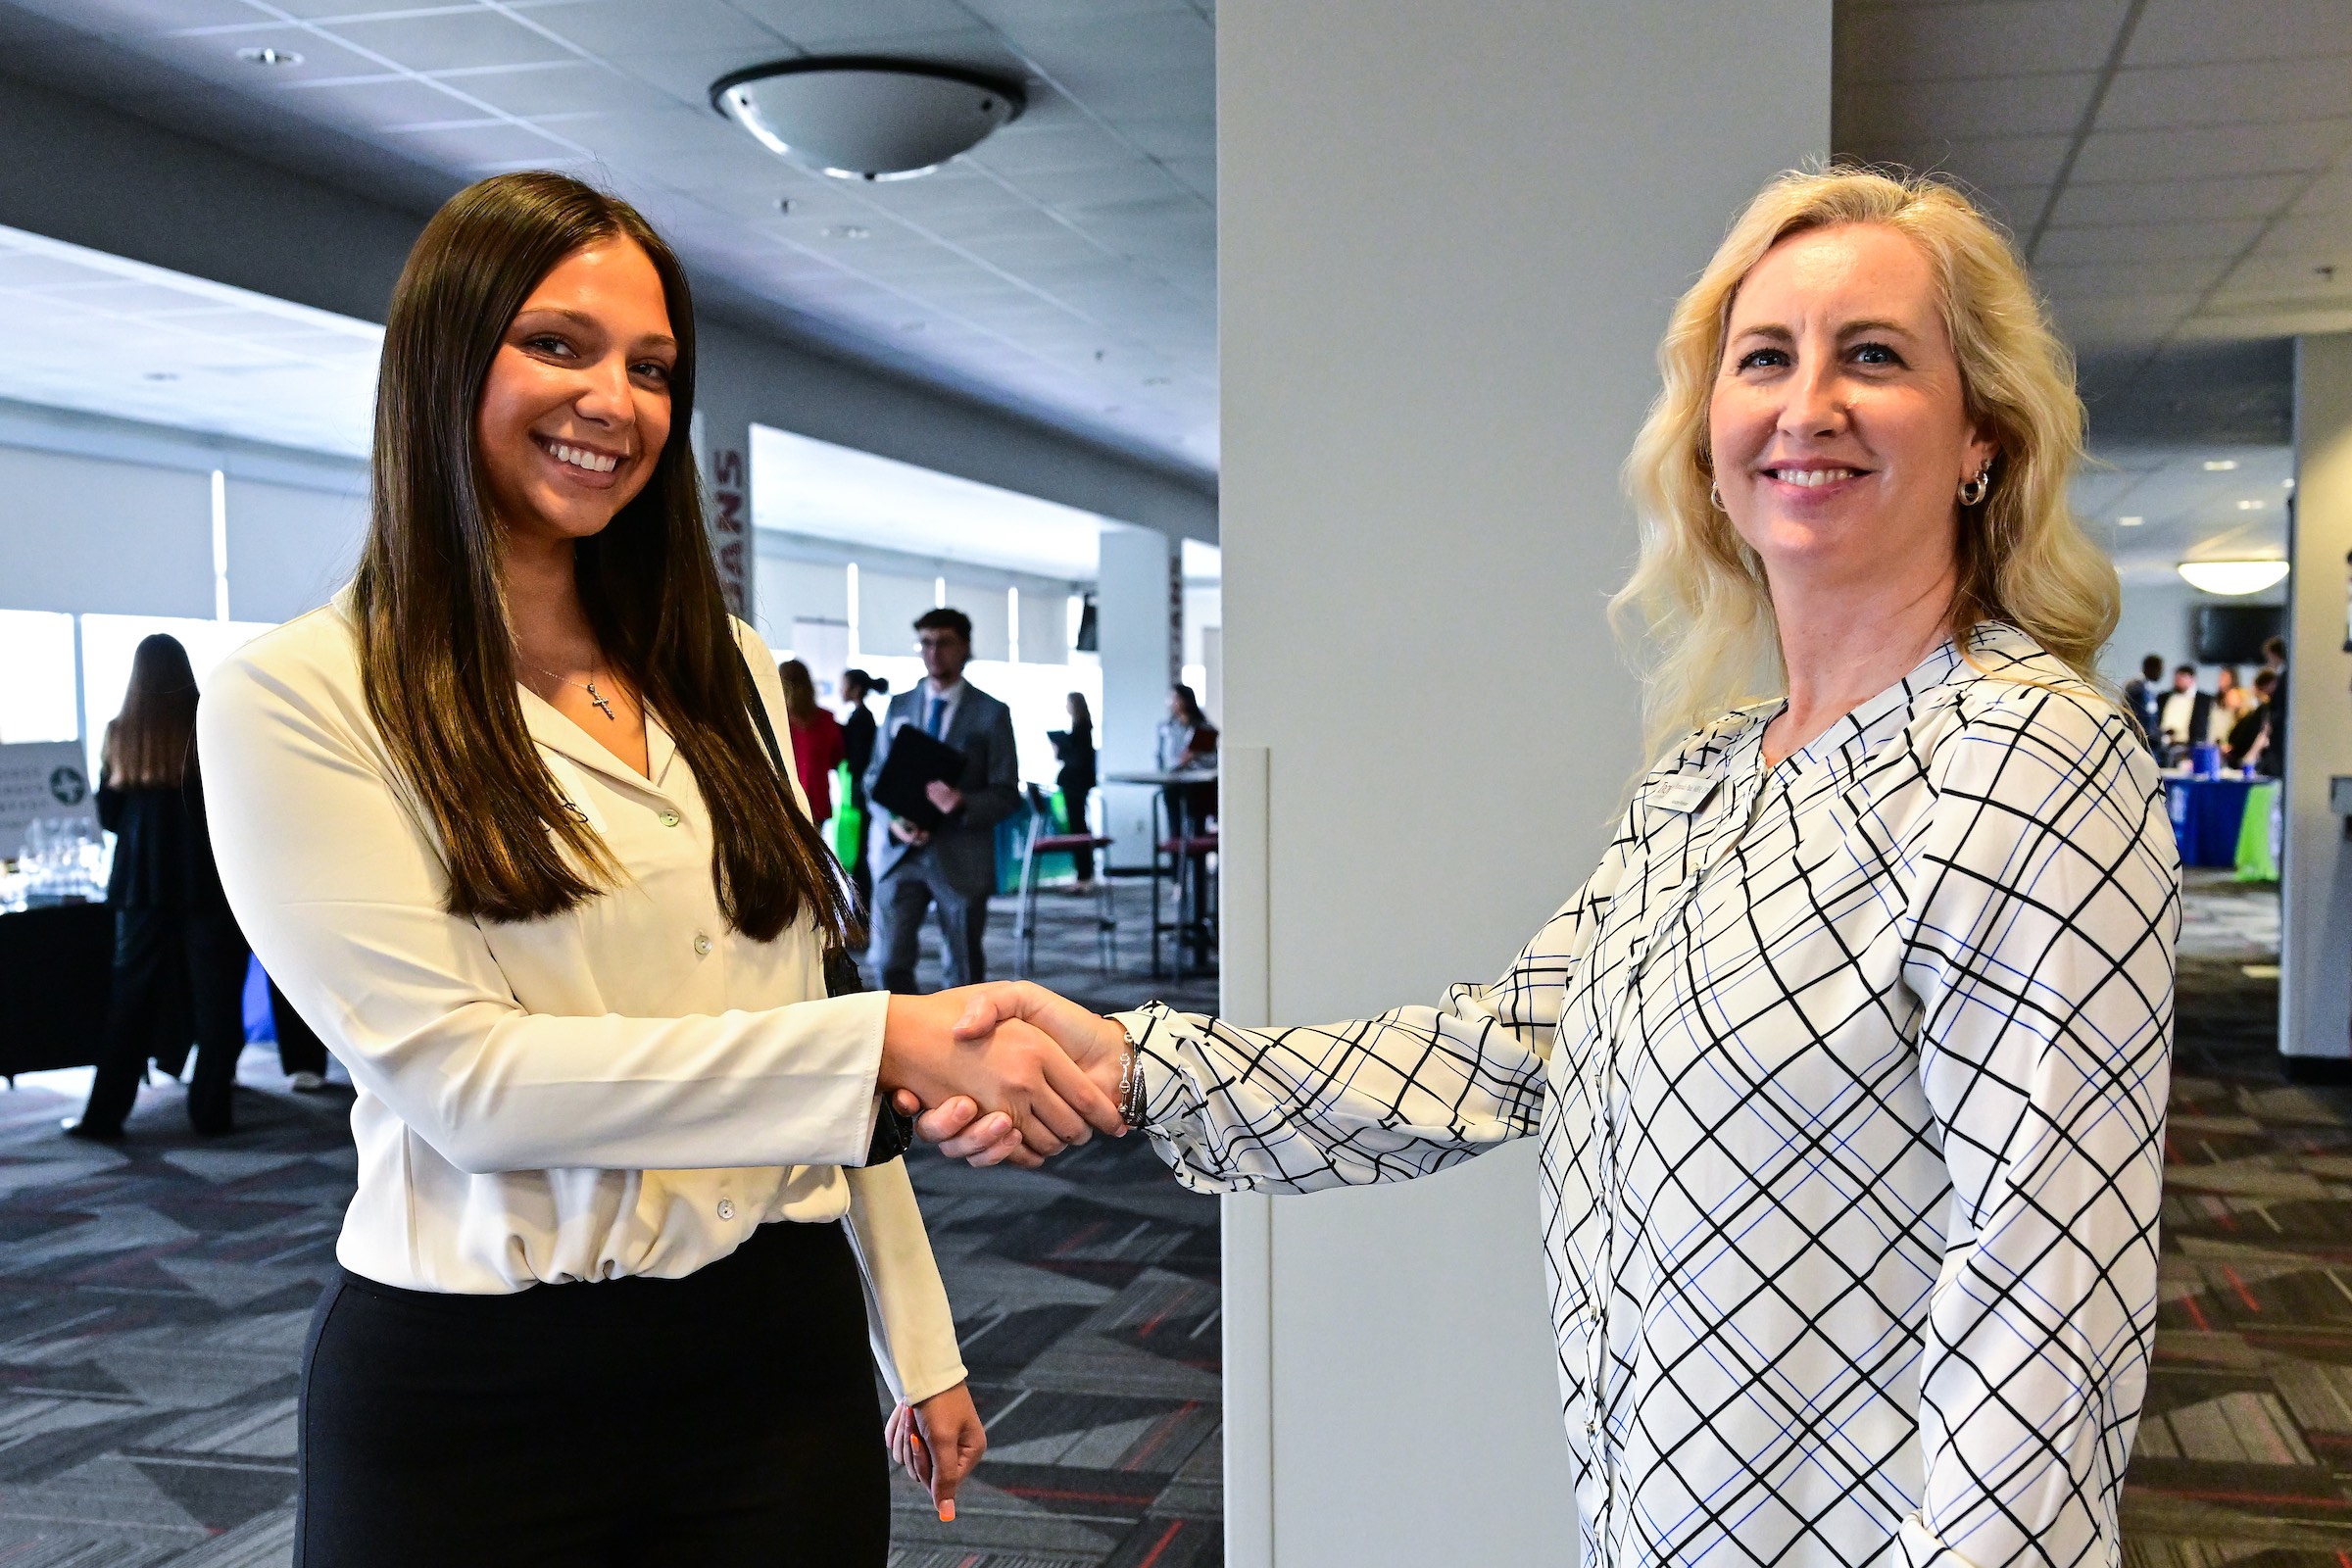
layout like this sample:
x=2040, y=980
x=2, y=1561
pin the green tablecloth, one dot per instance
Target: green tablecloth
x=2254, y=861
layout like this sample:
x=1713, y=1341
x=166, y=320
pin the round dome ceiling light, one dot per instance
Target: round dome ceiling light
x=2232, y=576
x=860, y=117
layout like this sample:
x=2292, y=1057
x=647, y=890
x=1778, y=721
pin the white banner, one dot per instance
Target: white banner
x=45, y=780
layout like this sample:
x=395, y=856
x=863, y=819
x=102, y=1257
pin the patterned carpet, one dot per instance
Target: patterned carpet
x=153, y=1299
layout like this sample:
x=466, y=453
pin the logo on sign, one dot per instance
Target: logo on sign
x=69, y=786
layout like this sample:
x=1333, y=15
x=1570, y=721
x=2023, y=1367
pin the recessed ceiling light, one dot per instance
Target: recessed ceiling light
x=2129, y=522
x=2220, y=464
x=2249, y=506
x=860, y=118
x=2233, y=577
x=784, y=205
x=163, y=375
x=2287, y=484
x=849, y=232
x=267, y=56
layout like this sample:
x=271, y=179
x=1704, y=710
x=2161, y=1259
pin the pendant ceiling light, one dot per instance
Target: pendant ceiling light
x=857, y=117
x=2233, y=577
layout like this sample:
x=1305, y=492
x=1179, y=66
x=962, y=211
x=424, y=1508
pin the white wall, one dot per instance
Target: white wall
x=289, y=549
x=2314, y=1004
x=1132, y=606
x=2157, y=618
x=1449, y=238
x=80, y=533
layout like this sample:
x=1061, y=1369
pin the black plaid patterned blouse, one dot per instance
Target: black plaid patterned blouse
x=1850, y=1077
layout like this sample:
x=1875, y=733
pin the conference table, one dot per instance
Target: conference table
x=1190, y=842
x=2209, y=814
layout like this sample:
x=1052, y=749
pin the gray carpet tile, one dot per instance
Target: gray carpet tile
x=154, y=1296
x=152, y=1299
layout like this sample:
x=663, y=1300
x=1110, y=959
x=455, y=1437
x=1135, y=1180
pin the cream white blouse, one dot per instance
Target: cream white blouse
x=630, y=1088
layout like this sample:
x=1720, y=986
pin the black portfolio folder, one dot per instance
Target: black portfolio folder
x=916, y=760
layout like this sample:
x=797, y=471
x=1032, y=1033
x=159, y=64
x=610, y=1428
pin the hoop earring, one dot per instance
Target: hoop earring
x=1974, y=490
x=1715, y=497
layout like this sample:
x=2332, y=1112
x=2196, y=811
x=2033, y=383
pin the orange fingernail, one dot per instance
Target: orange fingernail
x=947, y=1512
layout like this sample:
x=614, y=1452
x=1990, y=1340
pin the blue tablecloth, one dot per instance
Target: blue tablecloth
x=2206, y=816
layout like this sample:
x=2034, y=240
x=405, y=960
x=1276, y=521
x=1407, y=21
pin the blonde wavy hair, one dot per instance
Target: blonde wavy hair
x=1701, y=591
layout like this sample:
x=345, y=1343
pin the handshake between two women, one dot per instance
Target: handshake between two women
x=1005, y=1073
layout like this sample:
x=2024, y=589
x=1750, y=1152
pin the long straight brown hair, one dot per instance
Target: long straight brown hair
x=147, y=745
x=436, y=651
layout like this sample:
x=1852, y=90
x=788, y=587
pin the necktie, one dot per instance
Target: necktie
x=939, y=705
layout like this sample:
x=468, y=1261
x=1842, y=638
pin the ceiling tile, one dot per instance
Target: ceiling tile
x=2212, y=151
x=815, y=22
x=476, y=149
x=558, y=87
x=623, y=29
x=382, y=102
x=1016, y=15
x=2196, y=31
x=2177, y=200
x=2236, y=93
x=2317, y=237
x=2128, y=279
x=114, y=17
x=447, y=40
x=214, y=56
x=1871, y=114
x=2298, y=277
x=2112, y=244
x=1986, y=161
x=1882, y=42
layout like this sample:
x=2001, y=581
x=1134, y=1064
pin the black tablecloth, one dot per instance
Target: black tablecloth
x=55, y=968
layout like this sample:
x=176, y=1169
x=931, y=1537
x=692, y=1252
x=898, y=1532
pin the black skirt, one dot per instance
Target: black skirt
x=728, y=1418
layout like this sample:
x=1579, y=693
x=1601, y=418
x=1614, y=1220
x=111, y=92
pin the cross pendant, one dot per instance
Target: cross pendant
x=600, y=700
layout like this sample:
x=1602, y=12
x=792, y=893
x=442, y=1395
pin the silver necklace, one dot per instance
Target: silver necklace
x=589, y=686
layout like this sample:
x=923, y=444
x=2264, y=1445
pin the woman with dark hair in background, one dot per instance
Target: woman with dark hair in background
x=816, y=745
x=857, y=750
x=180, y=958
x=1075, y=747
x=511, y=824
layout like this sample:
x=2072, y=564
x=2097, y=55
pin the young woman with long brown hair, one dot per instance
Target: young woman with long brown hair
x=509, y=823
x=180, y=958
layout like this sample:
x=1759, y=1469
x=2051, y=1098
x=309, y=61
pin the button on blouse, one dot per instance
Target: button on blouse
x=1849, y=1078
x=628, y=1088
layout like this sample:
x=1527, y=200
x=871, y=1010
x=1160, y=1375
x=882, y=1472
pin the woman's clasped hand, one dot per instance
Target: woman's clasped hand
x=1026, y=1075
x=1041, y=1066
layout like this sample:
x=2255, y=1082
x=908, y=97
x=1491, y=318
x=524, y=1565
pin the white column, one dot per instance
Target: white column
x=1449, y=238
x=2315, y=990
x=1133, y=592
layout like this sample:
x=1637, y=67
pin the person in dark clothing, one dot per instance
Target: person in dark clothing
x=2274, y=660
x=2249, y=742
x=180, y=958
x=857, y=750
x=1075, y=750
x=2143, y=695
x=301, y=1053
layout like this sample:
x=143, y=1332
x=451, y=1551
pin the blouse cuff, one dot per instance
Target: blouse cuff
x=1923, y=1549
x=1155, y=1028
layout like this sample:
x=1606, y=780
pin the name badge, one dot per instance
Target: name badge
x=1683, y=794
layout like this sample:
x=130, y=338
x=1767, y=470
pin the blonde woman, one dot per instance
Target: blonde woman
x=1849, y=1062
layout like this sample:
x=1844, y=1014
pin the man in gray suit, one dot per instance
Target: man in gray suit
x=954, y=867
